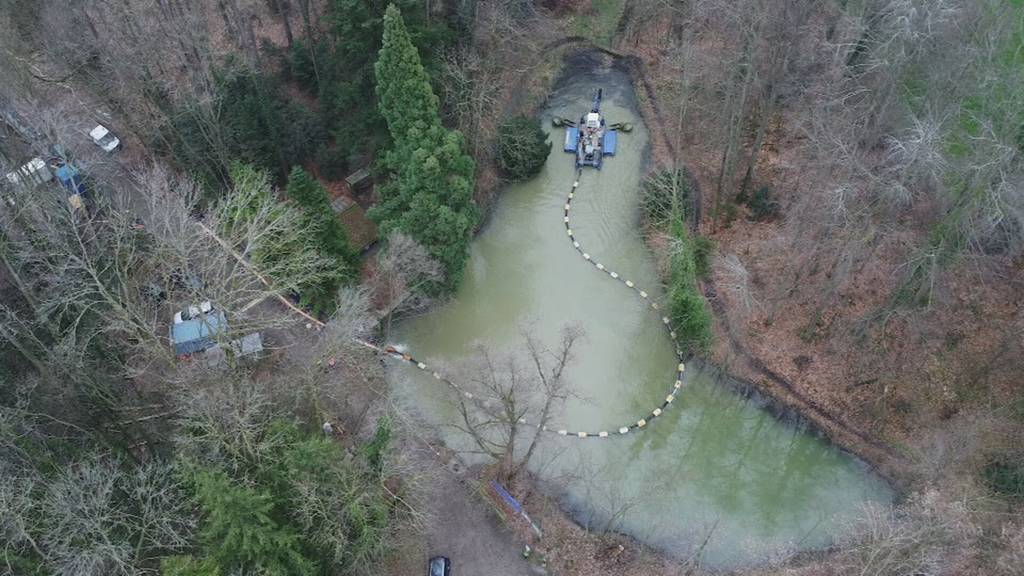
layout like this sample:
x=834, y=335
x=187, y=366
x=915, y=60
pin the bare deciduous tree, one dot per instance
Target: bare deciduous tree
x=735, y=278
x=100, y=519
x=511, y=391
x=404, y=269
x=105, y=266
x=918, y=537
x=471, y=89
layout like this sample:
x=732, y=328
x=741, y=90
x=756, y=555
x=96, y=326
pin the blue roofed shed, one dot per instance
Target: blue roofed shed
x=198, y=334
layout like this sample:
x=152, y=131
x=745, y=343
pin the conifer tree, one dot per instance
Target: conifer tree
x=523, y=148
x=405, y=97
x=239, y=531
x=330, y=235
x=189, y=566
x=430, y=194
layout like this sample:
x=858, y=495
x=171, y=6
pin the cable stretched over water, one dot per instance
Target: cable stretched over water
x=665, y=320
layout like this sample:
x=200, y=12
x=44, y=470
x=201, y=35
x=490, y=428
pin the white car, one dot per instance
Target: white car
x=193, y=312
x=104, y=138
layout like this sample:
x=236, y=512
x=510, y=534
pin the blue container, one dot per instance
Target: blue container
x=572, y=137
x=611, y=138
x=70, y=179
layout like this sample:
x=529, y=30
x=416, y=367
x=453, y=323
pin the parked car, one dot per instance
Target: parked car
x=104, y=138
x=439, y=566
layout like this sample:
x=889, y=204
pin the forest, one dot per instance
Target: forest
x=832, y=194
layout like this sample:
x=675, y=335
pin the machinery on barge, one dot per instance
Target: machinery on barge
x=591, y=139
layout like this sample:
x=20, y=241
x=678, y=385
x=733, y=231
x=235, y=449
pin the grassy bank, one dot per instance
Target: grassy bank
x=688, y=310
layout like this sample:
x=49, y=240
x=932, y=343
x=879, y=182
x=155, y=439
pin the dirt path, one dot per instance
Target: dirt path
x=461, y=525
x=469, y=532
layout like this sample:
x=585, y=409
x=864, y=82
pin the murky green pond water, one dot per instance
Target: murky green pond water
x=716, y=466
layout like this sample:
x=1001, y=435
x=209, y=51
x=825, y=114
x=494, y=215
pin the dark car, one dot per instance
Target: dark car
x=439, y=566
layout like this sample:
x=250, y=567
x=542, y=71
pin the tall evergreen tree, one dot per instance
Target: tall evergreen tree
x=430, y=196
x=330, y=236
x=404, y=94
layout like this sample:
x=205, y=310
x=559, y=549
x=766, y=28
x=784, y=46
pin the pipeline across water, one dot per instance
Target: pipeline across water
x=641, y=422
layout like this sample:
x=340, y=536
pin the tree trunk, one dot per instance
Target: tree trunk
x=533, y=443
x=767, y=110
x=307, y=23
x=736, y=116
x=779, y=71
x=14, y=276
x=508, y=464
x=33, y=359
x=284, y=10
x=307, y=30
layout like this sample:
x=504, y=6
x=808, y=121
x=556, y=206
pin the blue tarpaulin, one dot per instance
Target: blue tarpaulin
x=70, y=179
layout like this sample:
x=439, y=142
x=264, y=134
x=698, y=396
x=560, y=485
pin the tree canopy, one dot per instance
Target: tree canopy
x=523, y=147
x=430, y=194
x=329, y=235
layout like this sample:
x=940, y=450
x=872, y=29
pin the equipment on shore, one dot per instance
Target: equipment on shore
x=591, y=139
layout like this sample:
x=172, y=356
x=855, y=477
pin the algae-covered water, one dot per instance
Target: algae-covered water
x=717, y=471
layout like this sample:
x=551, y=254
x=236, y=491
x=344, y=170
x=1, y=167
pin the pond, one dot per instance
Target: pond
x=716, y=470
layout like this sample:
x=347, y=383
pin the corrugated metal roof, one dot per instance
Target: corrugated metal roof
x=358, y=177
x=340, y=203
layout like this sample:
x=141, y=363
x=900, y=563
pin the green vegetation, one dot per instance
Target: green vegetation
x=966, y=160
x=207, y=475
x=729, y=212
x=290, y=504
x=762, y=205
x=336, y=66
x=430, y=193
x=523, y=147
x=332, y=163
x=600, y=21
x=703, y=249
x=253, y=122
x=262, y=125
x=688, y=310
x=665, y=200
x=238, y=531
x=305, y=191
x=1005, y=477
x=294, y=262
x=665, y=195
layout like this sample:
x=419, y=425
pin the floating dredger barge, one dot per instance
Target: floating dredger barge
x=591, y=139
